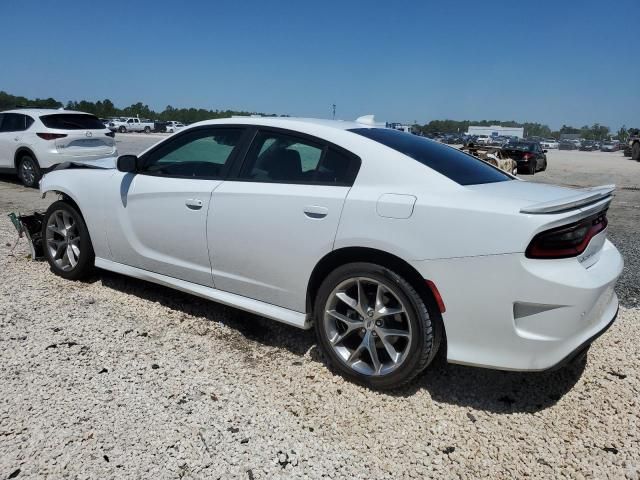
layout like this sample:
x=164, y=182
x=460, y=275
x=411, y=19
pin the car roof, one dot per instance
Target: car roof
x=42, y=111
x=291, y=122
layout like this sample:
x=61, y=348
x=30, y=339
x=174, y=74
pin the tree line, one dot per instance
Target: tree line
x=106, y=108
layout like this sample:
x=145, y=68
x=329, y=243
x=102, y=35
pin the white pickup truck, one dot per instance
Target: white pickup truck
x=131, y=124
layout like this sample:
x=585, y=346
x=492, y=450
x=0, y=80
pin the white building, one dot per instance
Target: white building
x=496, y=131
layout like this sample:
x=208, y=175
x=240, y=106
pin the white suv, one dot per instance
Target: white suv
x=33, y=141
x=173, y=126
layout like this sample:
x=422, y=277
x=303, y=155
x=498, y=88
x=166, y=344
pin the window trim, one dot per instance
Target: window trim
x=144, y=159
x=355, y=162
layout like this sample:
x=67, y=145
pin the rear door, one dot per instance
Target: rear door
x=160, y=220
x=12, y=131
x=6, y=144
x=270, y=225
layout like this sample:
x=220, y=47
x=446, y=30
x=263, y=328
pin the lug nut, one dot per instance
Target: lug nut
x=378, y=323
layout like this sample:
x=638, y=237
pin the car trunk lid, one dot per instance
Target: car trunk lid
x=78, y=143
x=554, y=208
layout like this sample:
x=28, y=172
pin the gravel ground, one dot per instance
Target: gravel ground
x=118, y=378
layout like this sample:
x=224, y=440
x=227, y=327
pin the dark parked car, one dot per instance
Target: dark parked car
x=588, y=146
x=529, y=156
x=566, y=145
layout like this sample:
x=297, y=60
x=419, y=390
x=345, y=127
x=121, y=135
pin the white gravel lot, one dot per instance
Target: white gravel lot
x=118, y=378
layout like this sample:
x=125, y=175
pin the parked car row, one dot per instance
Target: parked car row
x=135, y=124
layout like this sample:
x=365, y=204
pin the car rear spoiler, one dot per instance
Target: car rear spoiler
x=587, y=196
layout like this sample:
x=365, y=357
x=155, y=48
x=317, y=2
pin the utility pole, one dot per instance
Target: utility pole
x=333, y=106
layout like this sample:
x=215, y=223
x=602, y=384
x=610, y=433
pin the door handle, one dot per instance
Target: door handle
x=315, y=211
x=193, y=203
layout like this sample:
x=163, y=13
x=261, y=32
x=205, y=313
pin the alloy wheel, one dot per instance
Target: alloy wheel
x=63, y=240
x=367, y=326
x=27, y=172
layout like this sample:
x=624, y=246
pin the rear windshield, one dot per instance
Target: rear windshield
x=525, y=147
x=72, y=121
x=448, y=161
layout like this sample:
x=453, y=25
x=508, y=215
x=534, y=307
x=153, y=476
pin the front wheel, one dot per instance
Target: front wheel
x=66, y=242
x=122, y=129
x=373, y=327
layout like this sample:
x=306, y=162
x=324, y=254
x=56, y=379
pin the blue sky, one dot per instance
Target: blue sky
x=553, y=62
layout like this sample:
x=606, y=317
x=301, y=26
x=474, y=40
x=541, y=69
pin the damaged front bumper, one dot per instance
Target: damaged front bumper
x=30, y=226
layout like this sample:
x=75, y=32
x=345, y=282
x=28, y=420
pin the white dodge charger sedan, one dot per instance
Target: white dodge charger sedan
x=391, y=245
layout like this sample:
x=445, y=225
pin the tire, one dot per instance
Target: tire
x=147, y=130
x=122, y=129
x=71, y=263
x=544, y=166
x=29, y=171
x=635, y=151
x=418, y=322
x=532, y=167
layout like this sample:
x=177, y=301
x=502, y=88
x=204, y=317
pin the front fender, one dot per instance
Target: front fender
x=86, y=188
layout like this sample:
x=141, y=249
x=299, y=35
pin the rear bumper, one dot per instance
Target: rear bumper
x=50, y=161
x=585, y=345
x=513, y=313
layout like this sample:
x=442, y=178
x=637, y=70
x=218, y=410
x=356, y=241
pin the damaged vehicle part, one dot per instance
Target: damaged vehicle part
x=30, y=226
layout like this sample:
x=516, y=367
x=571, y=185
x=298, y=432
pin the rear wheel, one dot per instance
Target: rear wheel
x=532, y=167
x=29, y=171
x=147, y=130
x=66, y=242
x=635, y=151
x=373, y=327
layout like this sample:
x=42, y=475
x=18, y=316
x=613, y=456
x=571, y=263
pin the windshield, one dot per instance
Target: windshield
x=458, y=166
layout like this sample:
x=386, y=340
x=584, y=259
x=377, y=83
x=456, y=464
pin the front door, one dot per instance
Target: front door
x=160, y=220
x=269, y=227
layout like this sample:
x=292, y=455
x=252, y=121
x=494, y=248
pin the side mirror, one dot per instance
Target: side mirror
x=127, y=163
x=544, y=151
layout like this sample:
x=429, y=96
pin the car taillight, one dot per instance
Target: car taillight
x=567, y=241
x=51, y=136
x=111, y=134
x=527, y=156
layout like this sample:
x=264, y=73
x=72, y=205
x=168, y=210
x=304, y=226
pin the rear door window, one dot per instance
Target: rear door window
x=72, y=121
x=279, y=157
x=15, y=122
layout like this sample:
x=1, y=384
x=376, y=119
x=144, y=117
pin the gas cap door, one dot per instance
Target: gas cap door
x=395, y=205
